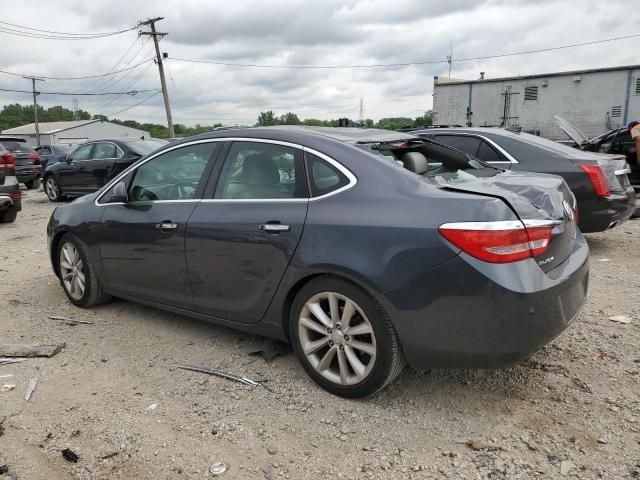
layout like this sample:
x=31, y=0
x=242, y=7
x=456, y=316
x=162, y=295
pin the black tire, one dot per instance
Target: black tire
x=9, y=215
x=31, y=184
x=52, y=189
x=389, y=359
x=93, y=294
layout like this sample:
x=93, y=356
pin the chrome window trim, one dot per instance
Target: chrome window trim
x=350, y=176
x=119, y=151
x=510, y=157
x=624, y=171
x=501, y=224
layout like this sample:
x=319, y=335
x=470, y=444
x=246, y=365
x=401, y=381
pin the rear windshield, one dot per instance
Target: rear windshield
x=436, y=163
x=144, y=147
x=15, y=146
x=527, y=147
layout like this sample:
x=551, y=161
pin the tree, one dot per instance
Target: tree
x=425, y=120
x=289, y=118
x=393, y=123
x=266, y=119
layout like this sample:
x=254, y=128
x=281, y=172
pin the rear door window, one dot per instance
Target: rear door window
x=465, y=143
x=262, y=171
x=105, y=151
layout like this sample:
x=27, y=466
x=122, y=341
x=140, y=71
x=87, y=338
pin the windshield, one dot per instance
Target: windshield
x=15, y=146
x=144, y=147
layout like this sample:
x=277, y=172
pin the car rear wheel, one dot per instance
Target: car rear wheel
x=344, y=339
x=78, y=274
x=52, y=189
x=31, y=184
x=9, y=215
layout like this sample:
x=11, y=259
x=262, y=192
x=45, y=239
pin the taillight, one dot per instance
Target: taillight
x=499, y=242
x=17, y=195
x=598, y=180
x=576, y=215
x=7, y=162
x=35, y=157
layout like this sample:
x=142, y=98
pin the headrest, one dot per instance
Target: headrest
x=415, y=162
x=260, y=169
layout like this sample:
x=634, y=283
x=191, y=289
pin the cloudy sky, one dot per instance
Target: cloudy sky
x=301, y=32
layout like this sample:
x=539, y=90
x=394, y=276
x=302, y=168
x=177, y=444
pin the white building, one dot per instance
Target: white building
x=77, y=131
x=594, y=100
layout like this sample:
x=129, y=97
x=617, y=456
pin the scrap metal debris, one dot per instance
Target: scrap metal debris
x=69, y=321
x=7, y=387
x=30, y=389
x=30, y=350
x=70, y=456
x=624, y=319
x=109, y=455
x=7, y=361
x=271, y=349
x=220, y=373
x=217, y=469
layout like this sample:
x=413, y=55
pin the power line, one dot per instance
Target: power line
x=80, y=78
x=51, y=34
x=135, y=104
x=129, y=85
x=91, y=94
x=405, y=64
x=109, y=82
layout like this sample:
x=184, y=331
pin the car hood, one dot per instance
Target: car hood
x=573, y=132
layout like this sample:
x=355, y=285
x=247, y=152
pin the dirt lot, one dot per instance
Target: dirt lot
x=572, y=410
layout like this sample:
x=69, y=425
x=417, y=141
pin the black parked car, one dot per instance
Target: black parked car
x=617, y=141
x=10, y=195
x=27, y=161
x=93, y=164
x=599, y=182
x=54, y=153
x=319, y=237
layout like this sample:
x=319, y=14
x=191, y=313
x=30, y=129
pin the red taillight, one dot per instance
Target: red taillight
x=498, y=242
x=34, y=156
x=7, y=162
x=16, y=195
x=598, y=180
x=576, y=215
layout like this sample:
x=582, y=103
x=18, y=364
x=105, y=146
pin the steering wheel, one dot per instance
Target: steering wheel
x=183, y=190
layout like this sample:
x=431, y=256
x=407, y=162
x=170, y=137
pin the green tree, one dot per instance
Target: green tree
x=393, y=123
x=289, y=118
x=266, y=119
x=425, y=120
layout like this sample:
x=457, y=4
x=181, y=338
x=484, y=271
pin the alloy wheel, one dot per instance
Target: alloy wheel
x=51, y=187
x=72, y=271
x=337, y=338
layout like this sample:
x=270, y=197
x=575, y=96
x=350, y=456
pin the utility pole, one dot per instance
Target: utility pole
x=151, y=23
x=35, y=105
x=361, y=119
x=76, y=112
x=450, y=59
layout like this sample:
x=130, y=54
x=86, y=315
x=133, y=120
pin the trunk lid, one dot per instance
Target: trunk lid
x=533, y=197
x=573, y=132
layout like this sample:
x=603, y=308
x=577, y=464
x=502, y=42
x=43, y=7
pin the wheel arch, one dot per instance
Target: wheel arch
x=299, y=284
x=55, y=243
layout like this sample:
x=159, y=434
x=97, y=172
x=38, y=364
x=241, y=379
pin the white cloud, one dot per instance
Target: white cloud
x=299, y=32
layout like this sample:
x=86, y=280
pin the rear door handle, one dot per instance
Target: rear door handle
x=274, y=227
x=166, y=226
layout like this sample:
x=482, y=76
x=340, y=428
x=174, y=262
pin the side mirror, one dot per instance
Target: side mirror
x=119, y=194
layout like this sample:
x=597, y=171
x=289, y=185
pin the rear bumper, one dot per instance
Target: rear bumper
x=470, y=314
x=601, y=213
x=27, y=173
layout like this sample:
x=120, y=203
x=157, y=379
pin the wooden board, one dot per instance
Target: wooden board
x=30, y=350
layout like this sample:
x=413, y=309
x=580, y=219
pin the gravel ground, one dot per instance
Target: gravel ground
x=572, y=410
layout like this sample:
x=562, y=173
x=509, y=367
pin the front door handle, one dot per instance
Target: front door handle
x=166, y=226
x=274, y=227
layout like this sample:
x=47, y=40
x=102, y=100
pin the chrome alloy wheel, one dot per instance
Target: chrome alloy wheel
x=337, y=338
x=51, y=188
x=72, y=271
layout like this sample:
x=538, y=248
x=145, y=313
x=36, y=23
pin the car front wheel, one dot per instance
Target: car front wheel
x=77, y=273
x=344, y=339
x=52, y=189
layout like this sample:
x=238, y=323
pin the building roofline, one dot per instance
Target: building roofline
x=541, y=75
x=52, y=132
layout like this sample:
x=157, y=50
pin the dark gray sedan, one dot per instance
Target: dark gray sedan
x=322, y=238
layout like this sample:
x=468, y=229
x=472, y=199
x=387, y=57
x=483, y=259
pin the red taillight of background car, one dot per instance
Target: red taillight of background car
x=17, y=195
x=35, y=157
x=598, y=180
x=7, y=162
x=498, y=242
